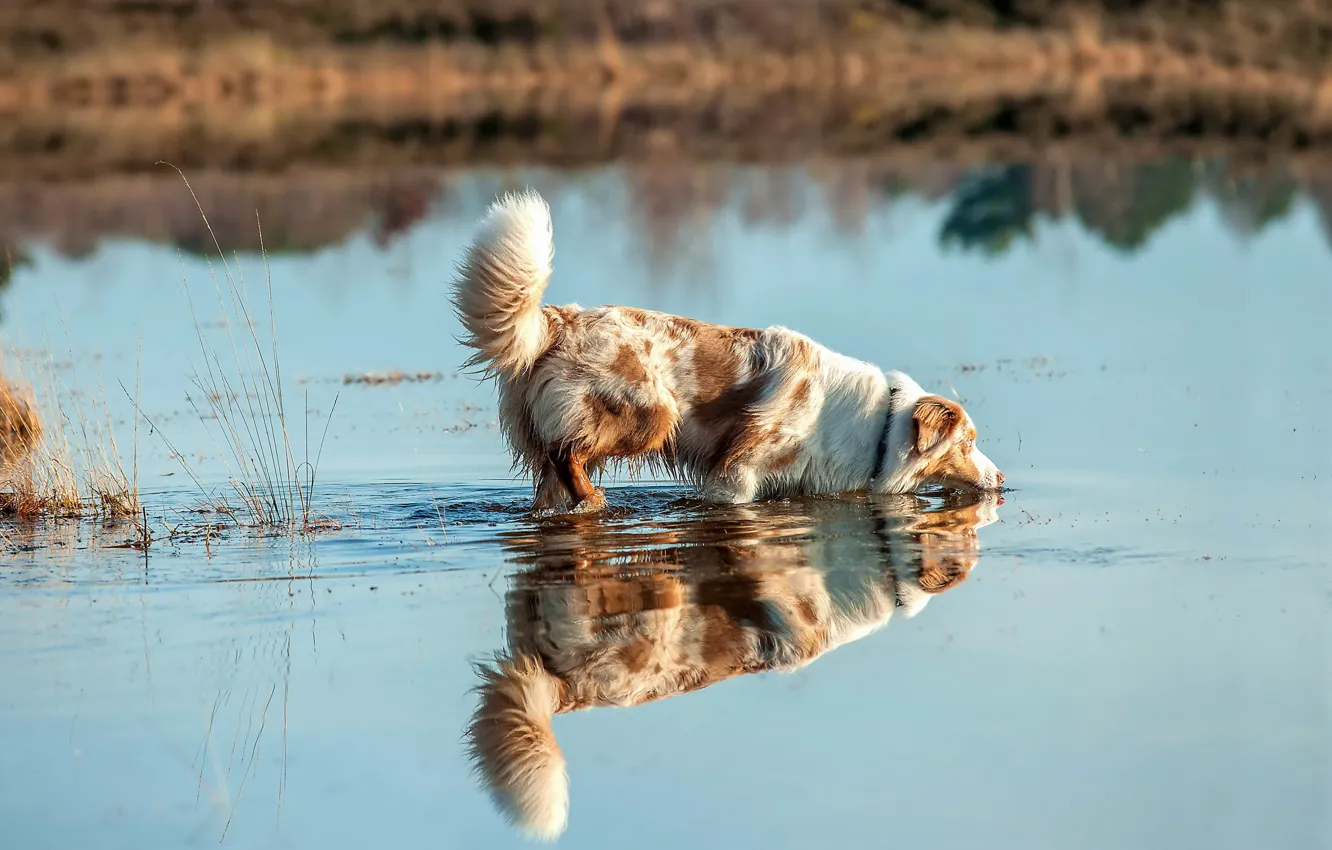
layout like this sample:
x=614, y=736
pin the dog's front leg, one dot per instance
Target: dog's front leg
x=739, y=487
x=570, y=471
x=550, y=493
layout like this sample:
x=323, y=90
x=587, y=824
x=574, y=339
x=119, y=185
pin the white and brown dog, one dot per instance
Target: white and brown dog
x=597, y=622
x=742, y=414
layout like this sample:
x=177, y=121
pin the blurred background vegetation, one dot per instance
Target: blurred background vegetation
x=332, y=116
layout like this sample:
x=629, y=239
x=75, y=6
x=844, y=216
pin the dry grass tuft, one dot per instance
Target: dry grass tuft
x=60, y=459
x=38, y=478
x=19, y=425
x=54, y=464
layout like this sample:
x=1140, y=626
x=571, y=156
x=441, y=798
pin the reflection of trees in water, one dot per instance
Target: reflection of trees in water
x=992, y=209
x=403, y=205
x=1320, y=192
x=673, y=206
x=10, y=261
x=300, y=212
x=847, y=193
x=775, y=198
x=1249, y=204
x=1123, y=204
x=1127, y=205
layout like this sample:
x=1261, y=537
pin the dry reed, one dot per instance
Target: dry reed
x=61, y=459
x=57, y=460
x=240, y=400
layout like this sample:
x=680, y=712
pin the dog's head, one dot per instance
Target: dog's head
x=933, y=441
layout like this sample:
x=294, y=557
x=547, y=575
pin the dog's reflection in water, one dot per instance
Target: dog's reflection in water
x=605, y=616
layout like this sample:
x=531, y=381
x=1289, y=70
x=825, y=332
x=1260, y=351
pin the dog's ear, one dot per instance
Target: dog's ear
x=935, y=419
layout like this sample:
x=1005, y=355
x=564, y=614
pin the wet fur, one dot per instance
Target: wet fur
x=742, y=414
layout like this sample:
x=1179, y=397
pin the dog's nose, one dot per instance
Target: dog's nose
x=998, y=478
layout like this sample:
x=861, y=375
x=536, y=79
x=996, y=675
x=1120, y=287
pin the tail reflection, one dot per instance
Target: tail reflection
x=619, y=616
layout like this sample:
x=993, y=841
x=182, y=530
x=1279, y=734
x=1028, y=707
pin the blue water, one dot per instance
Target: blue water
x=1138, y=656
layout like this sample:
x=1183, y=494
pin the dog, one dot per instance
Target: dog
x=592, y=622
x=741, y=414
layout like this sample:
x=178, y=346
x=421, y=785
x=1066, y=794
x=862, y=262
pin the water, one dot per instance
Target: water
x=1134, y=653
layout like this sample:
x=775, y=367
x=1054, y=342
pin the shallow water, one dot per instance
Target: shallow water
x=1134, y=653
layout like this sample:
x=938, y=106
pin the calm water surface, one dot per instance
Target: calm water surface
x=1131, y=651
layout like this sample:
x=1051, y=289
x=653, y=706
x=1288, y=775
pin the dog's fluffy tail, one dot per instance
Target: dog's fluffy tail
x=498, y=288
x=513, y=749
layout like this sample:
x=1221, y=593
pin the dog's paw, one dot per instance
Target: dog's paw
x=592, y=504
